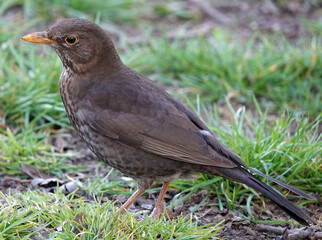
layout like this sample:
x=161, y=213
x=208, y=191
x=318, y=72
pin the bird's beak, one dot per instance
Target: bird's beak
x=38, y=37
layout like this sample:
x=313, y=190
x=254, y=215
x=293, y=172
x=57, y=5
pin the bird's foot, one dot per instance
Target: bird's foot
x=158, y=212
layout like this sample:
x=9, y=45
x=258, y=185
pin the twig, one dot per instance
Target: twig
x=269, y=228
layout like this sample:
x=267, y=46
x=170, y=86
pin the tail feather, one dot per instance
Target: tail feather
x=293, y=189
x=229, y=154
x=240, y=175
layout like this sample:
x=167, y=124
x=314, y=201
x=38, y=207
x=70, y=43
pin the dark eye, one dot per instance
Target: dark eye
x=71, y=40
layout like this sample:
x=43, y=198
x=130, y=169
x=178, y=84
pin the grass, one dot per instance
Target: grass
x=116, y=10
x=55, y=216
x=287, y=149
x=27, y=91
x=276, y=132
x=28, y=146
x=282, y=75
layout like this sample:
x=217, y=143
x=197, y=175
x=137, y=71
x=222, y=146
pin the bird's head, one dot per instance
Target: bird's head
x=82, y=45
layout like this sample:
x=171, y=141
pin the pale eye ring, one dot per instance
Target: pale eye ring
x=71, y=40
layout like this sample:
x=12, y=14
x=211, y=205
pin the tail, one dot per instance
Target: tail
x=241, y=175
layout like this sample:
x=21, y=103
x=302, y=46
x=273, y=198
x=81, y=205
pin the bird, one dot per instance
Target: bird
x=135, y=126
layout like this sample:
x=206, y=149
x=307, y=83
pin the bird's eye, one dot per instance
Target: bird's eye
x=71, y=40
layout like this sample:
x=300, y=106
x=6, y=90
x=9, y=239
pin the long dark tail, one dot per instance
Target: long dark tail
x=241, y=175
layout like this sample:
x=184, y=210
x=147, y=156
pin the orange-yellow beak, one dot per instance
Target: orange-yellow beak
x=38, y=37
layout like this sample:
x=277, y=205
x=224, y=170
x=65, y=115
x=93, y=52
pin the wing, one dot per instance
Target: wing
x=167, y=136
x=150, y=121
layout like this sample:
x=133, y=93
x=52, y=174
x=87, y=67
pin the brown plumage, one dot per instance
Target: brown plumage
x=135, y=126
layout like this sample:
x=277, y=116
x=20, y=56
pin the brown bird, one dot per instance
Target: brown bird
x=134, y=125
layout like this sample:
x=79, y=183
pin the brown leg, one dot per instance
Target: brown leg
x=132, y=199
x=143, y=184
x=159, y=205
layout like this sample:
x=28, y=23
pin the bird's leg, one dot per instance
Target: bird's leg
x=143, y=184
x=159, y=205
x=132, y=199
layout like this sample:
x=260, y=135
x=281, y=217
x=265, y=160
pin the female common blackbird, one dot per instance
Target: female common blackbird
x=135, y=126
